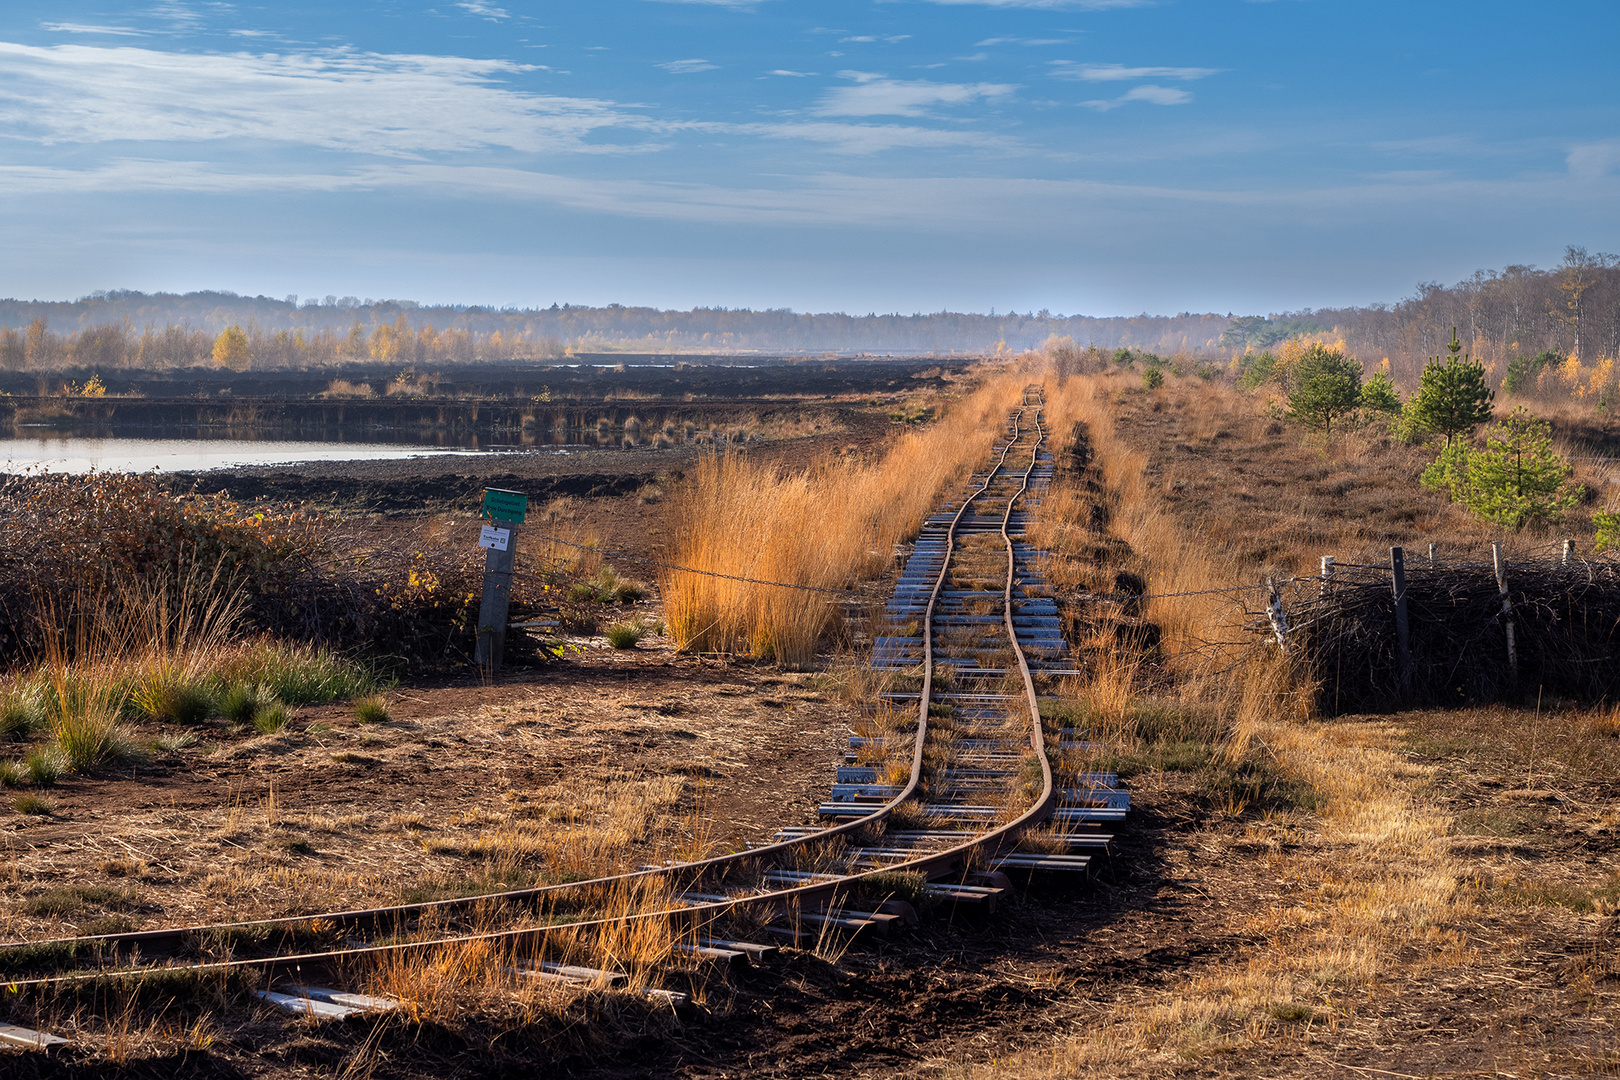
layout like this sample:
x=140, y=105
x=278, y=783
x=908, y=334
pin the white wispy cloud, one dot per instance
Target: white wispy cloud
x=1593, y=161
x=995, y=205
x=876, y=138
x=892, y=39
x=793, y=74
x=1067, y=69
x=397, y=105
x=87, y=28
x=479, y=7
x=177, y=14
x=1150, y=93
x=878, y=95
x=687, y=67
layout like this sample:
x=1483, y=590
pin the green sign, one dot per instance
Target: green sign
x=505, y=505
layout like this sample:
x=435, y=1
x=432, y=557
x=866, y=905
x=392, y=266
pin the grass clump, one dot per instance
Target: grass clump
x=269, y=719
x=169, y=697
x=13, y=774
x=20, y=716
x=72, y=899
x=607, y=587
x=627, y=635
x=907, y=885
x=372, y=709
x=34, y=805
x=242, y=701
x=298, y=674
x=44, y=765
x=92, y=739
x=173, y=744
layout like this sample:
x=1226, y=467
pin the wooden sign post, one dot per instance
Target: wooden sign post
x=1403, y=641
x=505, y=510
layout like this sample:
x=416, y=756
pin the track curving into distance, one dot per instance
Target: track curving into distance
x=694, y=896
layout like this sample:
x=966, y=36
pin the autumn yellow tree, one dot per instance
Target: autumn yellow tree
x=355, y=346
x=231, y=349
x=385, y=341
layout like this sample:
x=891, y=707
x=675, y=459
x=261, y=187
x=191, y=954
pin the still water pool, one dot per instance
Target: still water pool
x=80, y=455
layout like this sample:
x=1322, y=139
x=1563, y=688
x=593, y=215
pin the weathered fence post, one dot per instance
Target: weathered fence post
x=1507, y=611
x=1569, y=550
x=1279, y=618
x=506, y=511
x=1403, y=643
x=1431, y=553
x=1327, y=574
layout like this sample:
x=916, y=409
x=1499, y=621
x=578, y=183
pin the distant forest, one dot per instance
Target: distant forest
x=1517, y=311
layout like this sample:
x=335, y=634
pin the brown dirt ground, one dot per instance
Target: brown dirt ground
x=331, y=813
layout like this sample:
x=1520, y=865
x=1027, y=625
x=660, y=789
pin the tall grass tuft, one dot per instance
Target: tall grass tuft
x=85, y=724
x=824, y=528
x=295, y=674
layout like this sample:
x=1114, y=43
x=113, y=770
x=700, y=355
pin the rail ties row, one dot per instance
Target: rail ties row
x=948, y=620
x=971, y=627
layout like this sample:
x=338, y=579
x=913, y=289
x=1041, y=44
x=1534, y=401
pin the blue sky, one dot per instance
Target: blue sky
x=1088, y=156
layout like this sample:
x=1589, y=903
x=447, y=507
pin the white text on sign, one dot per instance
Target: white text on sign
x=491, y=537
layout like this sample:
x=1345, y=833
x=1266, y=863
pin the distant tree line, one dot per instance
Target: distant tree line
x=1524, y=324
x=1536, y=331
x=128, y=330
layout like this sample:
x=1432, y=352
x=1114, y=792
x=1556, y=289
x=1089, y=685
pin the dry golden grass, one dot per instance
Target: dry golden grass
x=1137, y=516
x=343, y=388
x=1370, y=879
x=825, y=528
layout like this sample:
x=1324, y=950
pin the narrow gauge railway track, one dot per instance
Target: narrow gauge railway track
x=971, y=633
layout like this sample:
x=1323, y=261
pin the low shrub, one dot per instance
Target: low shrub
x=1607, y=526
x=13, y=774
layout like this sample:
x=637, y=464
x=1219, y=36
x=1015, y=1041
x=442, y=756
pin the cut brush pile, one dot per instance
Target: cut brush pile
x=1565, y=619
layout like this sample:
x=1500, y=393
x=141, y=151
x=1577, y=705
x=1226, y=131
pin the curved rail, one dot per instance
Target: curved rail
x=933, y=864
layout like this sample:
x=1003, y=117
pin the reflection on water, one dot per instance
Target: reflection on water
x=77, y=455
